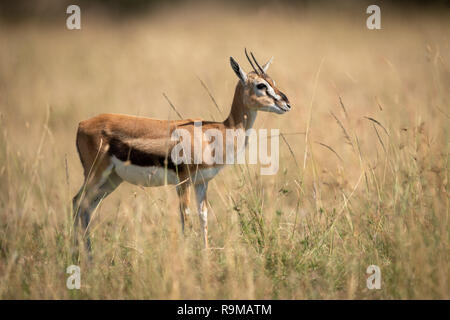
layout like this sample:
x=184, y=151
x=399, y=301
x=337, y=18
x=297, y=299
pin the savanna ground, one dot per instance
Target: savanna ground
x=363, y=181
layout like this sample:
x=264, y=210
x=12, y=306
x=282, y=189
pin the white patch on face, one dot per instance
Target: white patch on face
x=272, y=93
x=144, y=176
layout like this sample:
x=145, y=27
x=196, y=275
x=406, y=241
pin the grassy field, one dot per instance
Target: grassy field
x=363, y=175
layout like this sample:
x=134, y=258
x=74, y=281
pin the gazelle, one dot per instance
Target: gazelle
x=115, y=148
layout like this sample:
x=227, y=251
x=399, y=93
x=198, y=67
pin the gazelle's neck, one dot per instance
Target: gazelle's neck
x=240, y=116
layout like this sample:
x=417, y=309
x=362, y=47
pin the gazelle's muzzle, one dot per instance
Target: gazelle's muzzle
x=283, y=103
x=284, y=106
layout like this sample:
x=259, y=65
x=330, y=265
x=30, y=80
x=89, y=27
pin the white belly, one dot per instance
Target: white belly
x=144, y=176
x=204, y=175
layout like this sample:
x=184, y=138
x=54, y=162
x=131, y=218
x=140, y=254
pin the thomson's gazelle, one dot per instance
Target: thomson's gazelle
x=115, y=148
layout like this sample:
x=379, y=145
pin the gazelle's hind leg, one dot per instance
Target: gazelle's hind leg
x=200, y=195
x=183, y=191
x=89, y=196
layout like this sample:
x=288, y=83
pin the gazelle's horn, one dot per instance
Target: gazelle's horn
x=262, y=70
x=251, y=63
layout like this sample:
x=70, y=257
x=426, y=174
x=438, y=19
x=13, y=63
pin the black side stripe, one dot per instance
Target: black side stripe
x=124, y=152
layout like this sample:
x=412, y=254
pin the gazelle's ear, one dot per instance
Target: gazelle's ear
x=238, y=70
x=267, y=65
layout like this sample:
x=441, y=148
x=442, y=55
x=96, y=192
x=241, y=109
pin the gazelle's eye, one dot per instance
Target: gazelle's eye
x=261, y=86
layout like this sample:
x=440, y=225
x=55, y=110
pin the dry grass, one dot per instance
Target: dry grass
x=367, y=184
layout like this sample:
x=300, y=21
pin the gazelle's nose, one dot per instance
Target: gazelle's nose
x=285, y=106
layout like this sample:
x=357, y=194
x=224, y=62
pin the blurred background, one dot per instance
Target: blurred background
x=51, y=9
x=363, y=175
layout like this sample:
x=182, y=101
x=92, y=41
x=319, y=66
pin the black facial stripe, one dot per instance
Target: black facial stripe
x=284, y=96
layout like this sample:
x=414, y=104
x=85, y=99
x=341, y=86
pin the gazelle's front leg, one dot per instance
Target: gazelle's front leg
x=183, y=191
x=200, y=195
